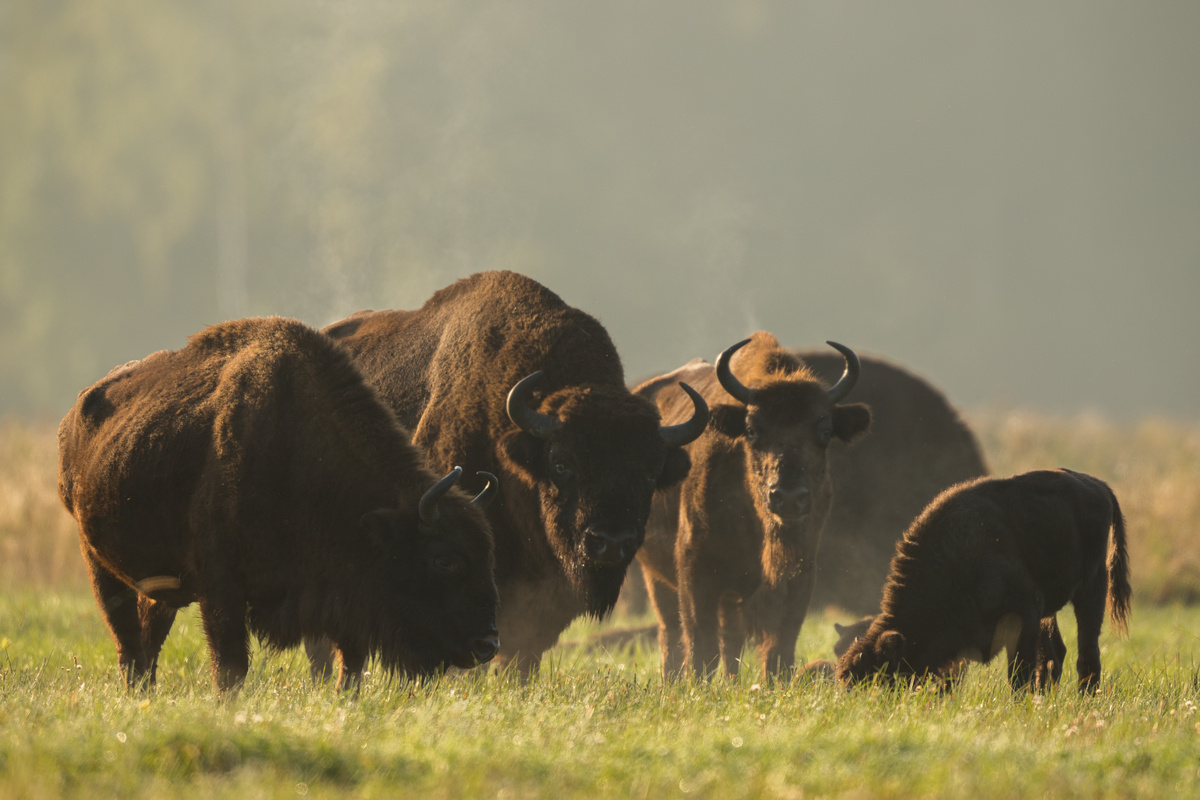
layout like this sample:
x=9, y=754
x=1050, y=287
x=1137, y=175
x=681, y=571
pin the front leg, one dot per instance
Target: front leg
x=733, y=633
x=699, y=606
x=353, y=660
x=665, y=600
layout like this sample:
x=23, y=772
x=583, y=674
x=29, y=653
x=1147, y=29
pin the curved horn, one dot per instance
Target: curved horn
x=429, y=500
x=532, y=422
x=850, y=377
x=728, y=382
x=684, y=432
x=485, y=498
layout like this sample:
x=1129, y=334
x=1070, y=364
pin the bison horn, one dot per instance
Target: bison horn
x=485, y=498
x=850, y=377
x=429, y=501
x=532, y=422
x=728, y=382
x=684, y=432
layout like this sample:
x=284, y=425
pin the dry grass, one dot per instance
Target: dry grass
x=1154, y=467
x=39, y=545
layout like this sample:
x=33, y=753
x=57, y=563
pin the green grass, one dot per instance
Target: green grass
x=596, y=723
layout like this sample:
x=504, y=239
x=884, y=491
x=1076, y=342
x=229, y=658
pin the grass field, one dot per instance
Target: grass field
x=598, y=722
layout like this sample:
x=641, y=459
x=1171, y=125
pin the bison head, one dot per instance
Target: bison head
x=436, y=579
x=785, y=426
x=888, y=656
x=593, y=455
x=877, y=654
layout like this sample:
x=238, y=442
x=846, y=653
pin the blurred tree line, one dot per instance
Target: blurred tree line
x=151, y=152
x=1002, y=196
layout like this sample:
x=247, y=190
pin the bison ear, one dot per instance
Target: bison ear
x=523, y=455
x=851, y=421
x=840, y=628
x=675, y=468
x=728, y=420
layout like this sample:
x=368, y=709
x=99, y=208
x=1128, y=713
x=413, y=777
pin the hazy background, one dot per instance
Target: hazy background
x=1005, y=197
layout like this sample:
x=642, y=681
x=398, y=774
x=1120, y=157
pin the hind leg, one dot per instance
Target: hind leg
x=223, y=612
x=119, y=604
x=156, y=619
x=1050, y=654
x=1089, y=617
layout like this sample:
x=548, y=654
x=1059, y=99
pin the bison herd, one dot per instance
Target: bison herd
x=455, y=484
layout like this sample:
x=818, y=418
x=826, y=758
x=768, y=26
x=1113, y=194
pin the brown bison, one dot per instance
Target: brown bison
x=918, y=447
x=255, y=472
x=986, y=567
x=744, y=526
x=496, y=370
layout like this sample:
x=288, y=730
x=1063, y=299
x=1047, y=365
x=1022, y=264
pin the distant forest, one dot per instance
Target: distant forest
x=1003, y=197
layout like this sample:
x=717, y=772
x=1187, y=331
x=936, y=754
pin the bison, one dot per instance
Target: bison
x=255, y=472
x=744, y=526
x=986, y=567
x=497, y=370
x=918, y=446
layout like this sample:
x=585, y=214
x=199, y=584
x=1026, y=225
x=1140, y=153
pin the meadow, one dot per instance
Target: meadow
x=598, y=721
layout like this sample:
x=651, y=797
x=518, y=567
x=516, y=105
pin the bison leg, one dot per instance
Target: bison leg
x=778, y=648
x=156, y=619
x=223, y=612
x=670, y=643
x=322, y=653
x=733, y=632
x=1089, y=618
x=1050, y=655
x=119, y=604
x=350, y=674
x=1023, y=658
x=699, y=614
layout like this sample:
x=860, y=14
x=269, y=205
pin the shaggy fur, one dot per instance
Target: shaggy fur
x=986, y=567
x=713, y=543
x=447, y=368
x=918, y=447
x=254, y=471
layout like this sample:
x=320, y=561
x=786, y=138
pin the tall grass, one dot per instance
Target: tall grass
x=595, y=723
x=1153, y=466
x=39, y=545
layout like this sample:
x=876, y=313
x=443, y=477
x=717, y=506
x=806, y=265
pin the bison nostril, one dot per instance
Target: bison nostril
x=484, y=648
x=608, y=549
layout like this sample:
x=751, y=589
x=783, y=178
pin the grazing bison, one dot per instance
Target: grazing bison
x=255, y=472
x=986, y=567
x=918, y=447
x=744, y=526
x=496, y=370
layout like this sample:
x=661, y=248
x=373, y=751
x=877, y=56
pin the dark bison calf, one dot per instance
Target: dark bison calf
x=255, y=472
x=986, y=567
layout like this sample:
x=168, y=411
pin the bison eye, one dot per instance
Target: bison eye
x=444, y=564
x=751, y=434
x=562, y=473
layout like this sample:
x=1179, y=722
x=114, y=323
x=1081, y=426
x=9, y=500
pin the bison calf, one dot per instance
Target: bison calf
x=255, y=472
x=986, y=567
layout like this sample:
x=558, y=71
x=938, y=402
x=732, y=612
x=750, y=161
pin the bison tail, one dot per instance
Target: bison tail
x=1118, y=571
